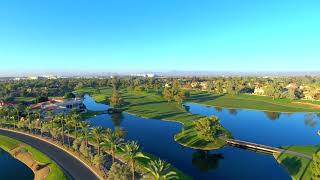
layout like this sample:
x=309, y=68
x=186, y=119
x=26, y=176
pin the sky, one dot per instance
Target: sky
x=159, y=35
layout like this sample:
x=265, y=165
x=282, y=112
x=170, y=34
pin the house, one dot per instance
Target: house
x=60, y=105
x=258, y=90
x=4, y=104
x=204, y=85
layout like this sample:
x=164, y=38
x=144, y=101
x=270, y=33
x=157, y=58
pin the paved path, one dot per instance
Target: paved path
x=72, y=166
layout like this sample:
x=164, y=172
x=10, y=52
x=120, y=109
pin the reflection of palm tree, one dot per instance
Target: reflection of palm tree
x=206, y=162
x=116, y=119
x=272, y=115
x=218, y=109
x=310, y=120
x=233, y=111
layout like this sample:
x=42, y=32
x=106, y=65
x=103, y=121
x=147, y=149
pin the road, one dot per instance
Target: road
x=73, y=168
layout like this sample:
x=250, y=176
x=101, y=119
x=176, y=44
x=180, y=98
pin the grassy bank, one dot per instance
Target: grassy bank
x=298, y=167
x=263, y=103
x=8, y=144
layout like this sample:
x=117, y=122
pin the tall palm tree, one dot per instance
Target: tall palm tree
x=76, y=119
x=97, y=133
x=112, y=140
x=85, y=129
x=132, y=152
x=69, y=127
x=50, y=116
x=28, y=111
x=62, y=121
x=160, y=170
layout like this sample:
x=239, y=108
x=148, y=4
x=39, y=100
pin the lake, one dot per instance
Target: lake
x=11, y=168
x=275, y=129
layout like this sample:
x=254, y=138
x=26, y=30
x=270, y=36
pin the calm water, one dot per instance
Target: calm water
x=226, y=163
x=11, y=168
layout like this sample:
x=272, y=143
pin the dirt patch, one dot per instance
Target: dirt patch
x=41, y=171
x=316, y=106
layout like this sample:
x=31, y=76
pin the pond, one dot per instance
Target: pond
x=11, y=168
x=276, y=129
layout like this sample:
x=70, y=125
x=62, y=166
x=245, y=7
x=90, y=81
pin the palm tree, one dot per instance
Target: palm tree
x=76, y=119
x=69, y=126
x=132, y=152
x=159, y=169
x=28, y=111
x=113, y=141
x=85, y=129
x=51, y=117
x=61, y=119
x=97, y=133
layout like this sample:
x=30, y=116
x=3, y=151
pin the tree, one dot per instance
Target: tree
x=116, y=100
x=160, y=170
x=131, y=153
x=209, y=128
x=69, y=95
x=28, y=111
x=97, y=134
x=119, y=172
x=167, y=94
x=113, y=141
x=315, y=167
x=98, y=160
x=85, y=129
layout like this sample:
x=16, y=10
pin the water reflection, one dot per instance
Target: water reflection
x=218, y=109
x=233, y=112
x=117, y=119
x=272, y=115
x=204, y=161
x=310, y=120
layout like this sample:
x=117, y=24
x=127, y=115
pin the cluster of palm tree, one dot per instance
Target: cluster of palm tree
x=93, y=143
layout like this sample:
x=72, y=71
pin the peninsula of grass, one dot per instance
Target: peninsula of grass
x=254, y=102
x=153, y=106
x=190, y=138
x=9, y=144
x=299, y=168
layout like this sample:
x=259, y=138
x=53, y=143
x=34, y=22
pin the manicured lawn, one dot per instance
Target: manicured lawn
x=298, y=167
x=56, y=172
x=148, y=105
x=244, y=101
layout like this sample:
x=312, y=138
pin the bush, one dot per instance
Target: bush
x=69, y=95
x=119, y=172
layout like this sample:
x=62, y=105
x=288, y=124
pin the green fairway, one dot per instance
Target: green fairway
x=298, y=167
x=245, y=101
x=56, y=172
x=147, y=105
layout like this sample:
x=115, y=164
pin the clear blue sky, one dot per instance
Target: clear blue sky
x=159, y=35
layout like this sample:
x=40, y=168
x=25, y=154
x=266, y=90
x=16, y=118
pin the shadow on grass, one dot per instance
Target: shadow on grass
x=293, y=165
x=204, y=97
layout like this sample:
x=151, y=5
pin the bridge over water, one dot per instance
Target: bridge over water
x=264, y=148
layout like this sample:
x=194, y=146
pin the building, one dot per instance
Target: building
x=4, y=104
x=258, y=90
x=60, y=105
x=144, y=75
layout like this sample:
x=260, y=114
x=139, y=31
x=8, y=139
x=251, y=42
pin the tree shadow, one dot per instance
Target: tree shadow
x=206, y=162
x=293, y=164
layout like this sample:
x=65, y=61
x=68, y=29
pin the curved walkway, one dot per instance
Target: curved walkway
x=73, y=168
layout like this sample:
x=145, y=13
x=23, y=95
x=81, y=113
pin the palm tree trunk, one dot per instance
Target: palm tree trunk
x=112, y=152
x=68, y=138
x=133, y=169
x=98, y=148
